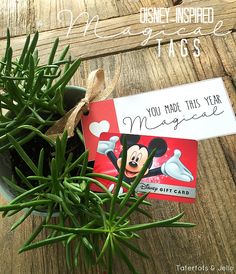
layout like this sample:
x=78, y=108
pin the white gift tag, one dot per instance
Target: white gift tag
x=196, y=111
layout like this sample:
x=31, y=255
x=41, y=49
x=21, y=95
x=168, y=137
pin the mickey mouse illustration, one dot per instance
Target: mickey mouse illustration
x=137, y=154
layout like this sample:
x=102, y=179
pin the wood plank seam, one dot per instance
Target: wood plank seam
x=103, y=47
x=227, y=73
x=32, y=6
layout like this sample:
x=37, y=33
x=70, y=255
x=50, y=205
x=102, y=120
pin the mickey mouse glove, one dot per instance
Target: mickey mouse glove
x=175, y=169
x=105, y=146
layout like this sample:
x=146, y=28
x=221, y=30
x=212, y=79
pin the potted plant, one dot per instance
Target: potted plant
x=52, y=177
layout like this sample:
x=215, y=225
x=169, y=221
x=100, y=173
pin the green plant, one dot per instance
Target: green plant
x=58, y=191
x=99, y=222
x=95, y=227
x=32, y=93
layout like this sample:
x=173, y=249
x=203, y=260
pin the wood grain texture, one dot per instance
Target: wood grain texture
x=89, y=46
x=212, y=241
x=25, y=16
x=17, y=16
x=226, y=50
x=218, y=58
x=46, y=19
x=125, y=7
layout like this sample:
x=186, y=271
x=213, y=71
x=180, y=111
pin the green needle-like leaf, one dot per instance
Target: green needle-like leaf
x=66, y=77
x=25, y=205
x=96, y=182
x=132, y=247
x=45, y=242
x=163, y=223
x=132, y=208
x=38, y=85
x=53, y=197
x=104, y=248
x=54, y=173
x=74, y=164
x=9, y=60
x=30, y=80
x=53, y=52
x=8, y=104
x=77, y=250
x=59, y=158
x=135, y=182
x=80, y=135
x=6, y=51
x=120, y=178
x=180, y=224
x=41, y=162
x=34, y=42
x=39, y=178
x=110, y=261
x=72, y=186
x=28, y=193
x=61, y=61
x=82, y=230
x=37, y=116
x=87, y=244
x=65, y=205
x=107, y=177
x=125, y=258
x=68, y=253
x=30, y=50
x=38, y=132
x=25, y=48
x=23, y=178
x=25, y=83
x=23, y=218
x=23, y=155
x=13, y=185
x=85, y=164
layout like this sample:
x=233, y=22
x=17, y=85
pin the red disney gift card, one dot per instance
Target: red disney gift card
x=170, y=176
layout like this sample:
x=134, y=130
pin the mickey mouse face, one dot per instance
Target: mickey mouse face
x=136, y=158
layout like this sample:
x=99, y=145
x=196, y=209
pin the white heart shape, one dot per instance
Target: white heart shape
x=97, y=128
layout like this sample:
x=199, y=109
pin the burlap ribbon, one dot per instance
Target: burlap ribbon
x=94, y=92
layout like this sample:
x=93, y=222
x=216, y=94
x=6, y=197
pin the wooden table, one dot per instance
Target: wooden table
x=213, y=240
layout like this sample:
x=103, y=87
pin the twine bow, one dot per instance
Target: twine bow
x=95, y=92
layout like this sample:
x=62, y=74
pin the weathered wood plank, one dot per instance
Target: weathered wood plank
x=17, y=15
x=218, y=58
x=209, y=64
x=88, y=46
x=27, y=15
x=125, y=7
x=49, y=259
x=212, y=241
x=226, y=50
x=47, y=19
